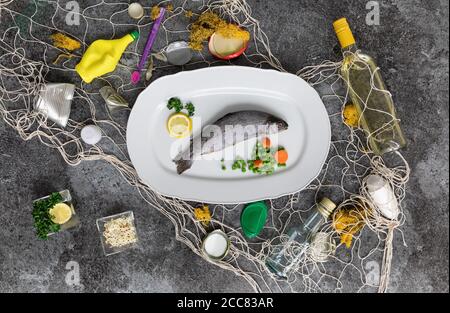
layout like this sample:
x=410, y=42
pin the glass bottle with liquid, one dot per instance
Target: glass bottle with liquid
x=369, y=94
x=286, y=256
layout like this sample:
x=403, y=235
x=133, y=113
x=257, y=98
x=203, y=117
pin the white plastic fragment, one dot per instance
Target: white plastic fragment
x=382, y=196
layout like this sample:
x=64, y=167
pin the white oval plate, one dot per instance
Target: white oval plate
x=216, y=91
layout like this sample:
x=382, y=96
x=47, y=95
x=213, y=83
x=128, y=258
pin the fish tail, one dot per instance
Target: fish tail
x=183, y=165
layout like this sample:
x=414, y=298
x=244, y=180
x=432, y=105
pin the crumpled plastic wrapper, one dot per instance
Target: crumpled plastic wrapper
x=54, y=101
x=113, y=100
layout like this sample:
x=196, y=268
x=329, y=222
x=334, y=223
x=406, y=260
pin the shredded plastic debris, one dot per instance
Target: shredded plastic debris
x=207, y=24
x=351, y=116
x=65, y=42
x=348, y=222
x=203, y=215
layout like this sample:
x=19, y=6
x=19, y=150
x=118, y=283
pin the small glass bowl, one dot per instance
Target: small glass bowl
x=108, y=249
x=67, y=199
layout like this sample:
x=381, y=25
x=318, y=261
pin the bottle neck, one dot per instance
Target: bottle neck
x=350, y=49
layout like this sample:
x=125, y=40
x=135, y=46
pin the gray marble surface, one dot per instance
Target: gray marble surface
x=411, y=46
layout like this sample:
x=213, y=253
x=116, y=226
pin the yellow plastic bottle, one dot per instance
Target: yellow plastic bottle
x=102, y=56
x=369, y=94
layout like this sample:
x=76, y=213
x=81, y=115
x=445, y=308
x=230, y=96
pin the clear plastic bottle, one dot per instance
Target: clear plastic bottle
x=369, y=94
x=288, y=255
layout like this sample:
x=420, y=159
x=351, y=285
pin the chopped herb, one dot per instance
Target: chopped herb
x=239, y=164
x=42, y=218
x=175, y=103
x=190, y=108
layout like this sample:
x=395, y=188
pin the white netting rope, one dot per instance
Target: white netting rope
x=348, y=163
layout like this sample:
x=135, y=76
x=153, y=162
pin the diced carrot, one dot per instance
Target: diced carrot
x=257, y=163
x=281, y=156
x=266, y=142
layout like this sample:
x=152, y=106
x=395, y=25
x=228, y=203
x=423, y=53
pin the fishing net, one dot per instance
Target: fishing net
x=28, y=60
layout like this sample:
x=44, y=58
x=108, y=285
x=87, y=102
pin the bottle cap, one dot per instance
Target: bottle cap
x=344, y=33
x=134, y=34
x=326, y=207
x=178, y=53
x=91, y=134
x=253, y=219
x=135, y=10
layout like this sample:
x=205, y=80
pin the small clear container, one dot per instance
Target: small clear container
x=67, y=199
x=109, y=249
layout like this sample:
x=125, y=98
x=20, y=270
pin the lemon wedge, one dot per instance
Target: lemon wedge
x=179, y=125
x=60, y=213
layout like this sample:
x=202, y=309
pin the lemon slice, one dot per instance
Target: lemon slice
x=60, y=213
x=179, y=125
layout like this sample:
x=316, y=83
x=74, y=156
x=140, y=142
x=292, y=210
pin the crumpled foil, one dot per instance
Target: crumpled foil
x=178, y=53
x=113, y=100
x=55, y=101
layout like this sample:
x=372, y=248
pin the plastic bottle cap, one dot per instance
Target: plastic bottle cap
x=253, y=219
x=134, y=34
x=326, y=207
x=135, y=10
x=344, y=33
x=91, y=134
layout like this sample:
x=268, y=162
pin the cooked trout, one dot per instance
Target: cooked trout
x=227, y=131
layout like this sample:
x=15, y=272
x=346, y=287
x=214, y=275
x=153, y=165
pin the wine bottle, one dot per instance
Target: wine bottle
x=368, y=93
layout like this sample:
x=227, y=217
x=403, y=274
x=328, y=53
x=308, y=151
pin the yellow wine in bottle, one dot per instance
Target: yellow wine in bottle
x=368, y=93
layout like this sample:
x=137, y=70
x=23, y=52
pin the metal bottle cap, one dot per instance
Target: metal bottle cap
x=178, y=53
x=326, y=207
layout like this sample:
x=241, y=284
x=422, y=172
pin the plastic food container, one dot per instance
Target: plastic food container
x=103, y=228
x=67, y=199
x=216, y=245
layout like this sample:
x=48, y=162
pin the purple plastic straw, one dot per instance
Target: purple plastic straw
x=148, y=46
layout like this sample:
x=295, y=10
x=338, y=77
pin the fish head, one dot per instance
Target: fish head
x=276, y=124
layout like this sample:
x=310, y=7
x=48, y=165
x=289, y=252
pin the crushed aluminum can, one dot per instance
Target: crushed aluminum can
x=54, y=101
x=113, y=100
